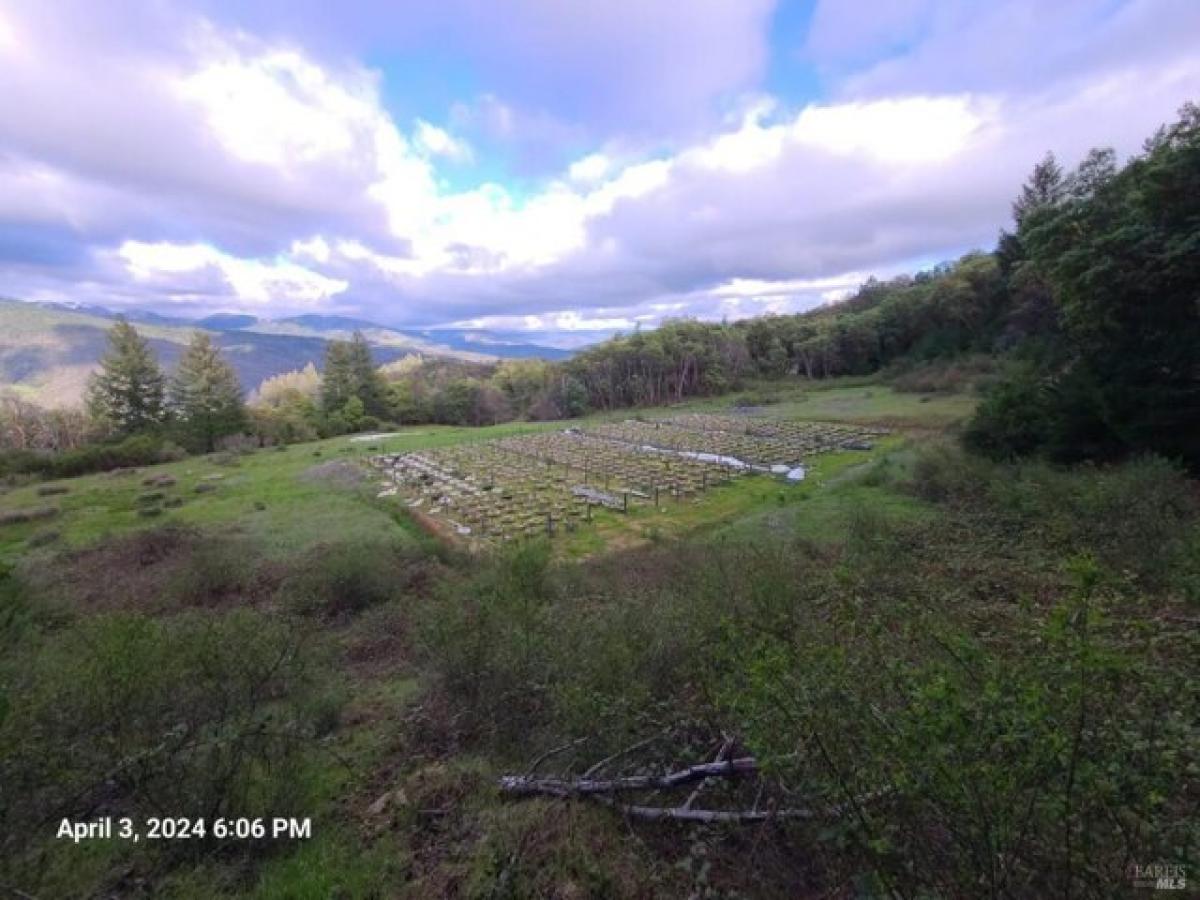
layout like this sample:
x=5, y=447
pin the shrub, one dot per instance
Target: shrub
x=216, y=569
x=1136, y=518
x=946, y=376
x=346, y=578
x=1013, y=419
x=171, y=452
x=139, y=450
x=1008, y=764
x=487, y=641
x=29, y=514
x=196, y=715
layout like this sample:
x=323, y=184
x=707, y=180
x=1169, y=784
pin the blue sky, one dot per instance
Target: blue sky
x=535, y=166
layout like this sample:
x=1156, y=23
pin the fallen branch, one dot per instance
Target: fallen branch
x=727, y=816
x=600, y=790
x=528, y=784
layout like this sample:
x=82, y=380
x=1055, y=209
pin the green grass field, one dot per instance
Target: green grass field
x=280, y=498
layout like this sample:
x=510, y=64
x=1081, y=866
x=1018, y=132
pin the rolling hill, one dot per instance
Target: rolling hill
x=47, y=351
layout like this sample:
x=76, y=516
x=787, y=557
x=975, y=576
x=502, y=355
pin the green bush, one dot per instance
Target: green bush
x=198, y=715
x=1137, y=518
x=139, y=450
x=946, y=376
x=345, y=578
x=971, y=763
x=216, y=569
x=1013, y=419
x=890, y=665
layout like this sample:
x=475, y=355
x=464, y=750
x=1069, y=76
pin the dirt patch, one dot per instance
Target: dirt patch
x=336, y=472
x=160, y=571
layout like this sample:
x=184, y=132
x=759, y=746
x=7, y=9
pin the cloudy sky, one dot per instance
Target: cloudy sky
x=557, y=167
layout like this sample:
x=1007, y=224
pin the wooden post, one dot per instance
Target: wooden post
x=625, y=500
x=550, y=524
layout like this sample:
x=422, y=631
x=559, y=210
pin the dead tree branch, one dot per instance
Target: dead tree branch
x=600, y=790
x=525, y=784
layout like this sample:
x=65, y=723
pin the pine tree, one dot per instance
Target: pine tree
x=205, y=395
x=1044, y=188
x=350, y=373
x=338, y=382
x=371, y=389
x=126, y=395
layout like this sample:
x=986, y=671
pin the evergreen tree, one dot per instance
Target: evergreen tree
x=1044, y=188
x=350, y=373
x=1116, y=254
x=126, y=395
x=205, y=395
x=370, y=387
x=337, y=379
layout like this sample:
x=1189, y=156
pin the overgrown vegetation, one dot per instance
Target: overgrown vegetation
x=1020, y=708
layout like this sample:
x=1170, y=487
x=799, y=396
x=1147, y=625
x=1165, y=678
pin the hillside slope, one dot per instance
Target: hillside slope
x=47, y=353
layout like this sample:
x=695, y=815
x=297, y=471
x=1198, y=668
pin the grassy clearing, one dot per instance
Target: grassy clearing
x=274, y=498
x=745, y=503
x=875, y=404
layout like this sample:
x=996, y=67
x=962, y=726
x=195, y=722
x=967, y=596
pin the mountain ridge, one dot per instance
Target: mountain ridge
x=48, y=350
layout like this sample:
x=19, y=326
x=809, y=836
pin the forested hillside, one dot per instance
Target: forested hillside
x=1085, y=357
x=1094, y=300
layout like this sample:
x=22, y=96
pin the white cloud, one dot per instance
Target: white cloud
x=215, y=168
x=315, y=248
x=903, y=130
x=278, y=108
x=589, y=169
x=253, y=282
x=434, y=141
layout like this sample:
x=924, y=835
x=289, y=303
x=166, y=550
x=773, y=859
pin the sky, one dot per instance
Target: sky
x=565, y=169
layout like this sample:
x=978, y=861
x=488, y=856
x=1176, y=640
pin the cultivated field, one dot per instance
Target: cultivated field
x=524, y=486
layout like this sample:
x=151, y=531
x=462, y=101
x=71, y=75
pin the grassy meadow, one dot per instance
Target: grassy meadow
x=280, y=498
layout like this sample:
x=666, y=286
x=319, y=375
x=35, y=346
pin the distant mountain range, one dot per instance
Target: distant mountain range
x=48, y=350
